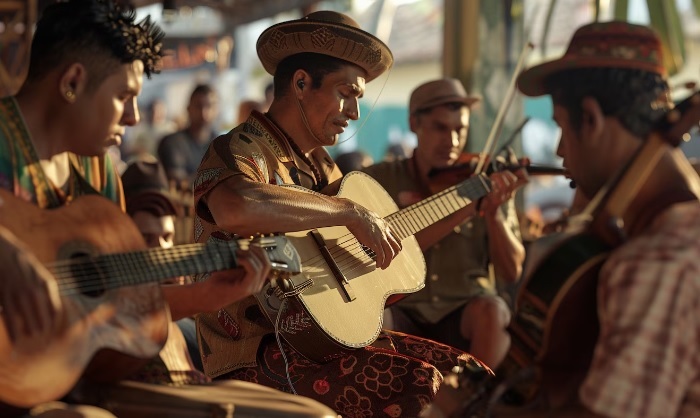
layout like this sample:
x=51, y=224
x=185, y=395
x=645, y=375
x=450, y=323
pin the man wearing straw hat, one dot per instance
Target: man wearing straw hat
x=320, y=65
x=610, y=92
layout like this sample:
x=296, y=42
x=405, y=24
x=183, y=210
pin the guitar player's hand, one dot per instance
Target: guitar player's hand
x=226, y=287
x=374, y=232
x=31, y=306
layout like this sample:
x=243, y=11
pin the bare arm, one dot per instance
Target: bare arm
x=247, y=208
x=221, y=288
x=505, y=248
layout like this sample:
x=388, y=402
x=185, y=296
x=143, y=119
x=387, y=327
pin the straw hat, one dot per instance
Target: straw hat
x=328, y=33
x=437, y=92
x=613, y=44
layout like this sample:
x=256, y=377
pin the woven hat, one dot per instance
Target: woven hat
x=437, y=92
x=613, y=44
x=146, y=188
x=328, y=33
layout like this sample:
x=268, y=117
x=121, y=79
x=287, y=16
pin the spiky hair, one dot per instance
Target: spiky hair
x=96, y=33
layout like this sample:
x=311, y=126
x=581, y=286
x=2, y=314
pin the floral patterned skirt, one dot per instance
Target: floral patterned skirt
x=399, y=380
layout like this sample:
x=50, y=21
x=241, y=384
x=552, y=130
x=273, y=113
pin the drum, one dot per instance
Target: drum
x=220, y=399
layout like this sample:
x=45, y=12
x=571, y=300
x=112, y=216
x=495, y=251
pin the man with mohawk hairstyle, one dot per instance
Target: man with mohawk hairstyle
x=87, y=62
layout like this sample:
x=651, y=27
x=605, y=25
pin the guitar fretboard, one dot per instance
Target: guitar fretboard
x=419, y=216
x=111, y=271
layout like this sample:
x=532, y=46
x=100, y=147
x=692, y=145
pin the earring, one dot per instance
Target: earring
x=70, y=95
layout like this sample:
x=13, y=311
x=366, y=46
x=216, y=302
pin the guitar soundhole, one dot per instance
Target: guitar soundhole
x=86, y=275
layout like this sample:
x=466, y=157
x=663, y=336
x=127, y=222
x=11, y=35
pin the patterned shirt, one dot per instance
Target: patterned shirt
x=229, y=338
x=646, y=361
x=21, y=172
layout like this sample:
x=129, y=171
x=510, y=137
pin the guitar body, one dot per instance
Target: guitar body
x=129, y=320
x=317, y=318
x=555, y=326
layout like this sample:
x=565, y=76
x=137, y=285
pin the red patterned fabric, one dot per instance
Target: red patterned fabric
x=397, y=381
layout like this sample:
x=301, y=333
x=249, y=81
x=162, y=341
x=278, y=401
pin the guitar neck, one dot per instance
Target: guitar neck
x=419, y=216
x=111, y=271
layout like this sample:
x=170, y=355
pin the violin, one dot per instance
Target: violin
x=466, y=164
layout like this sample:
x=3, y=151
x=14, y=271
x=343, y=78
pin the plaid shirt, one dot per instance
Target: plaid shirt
x=646, y=361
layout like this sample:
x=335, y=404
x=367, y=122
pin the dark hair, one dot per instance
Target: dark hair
x=202, y=89
x=317, y=65
x=96, y=33
x=156, y=204
x=636, y=98
x=269, y=88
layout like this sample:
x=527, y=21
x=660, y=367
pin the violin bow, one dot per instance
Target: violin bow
x=505, y=104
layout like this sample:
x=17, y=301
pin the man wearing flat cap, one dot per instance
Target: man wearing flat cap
x=610, y=98
x=320, y=65
x=459, y=305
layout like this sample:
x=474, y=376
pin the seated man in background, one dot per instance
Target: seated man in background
x=181, y=152
x=465, y=252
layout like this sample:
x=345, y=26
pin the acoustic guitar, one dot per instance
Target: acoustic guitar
x=335, y=305
x=109, y=284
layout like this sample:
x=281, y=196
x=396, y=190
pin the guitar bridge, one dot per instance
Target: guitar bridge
x=339, y=276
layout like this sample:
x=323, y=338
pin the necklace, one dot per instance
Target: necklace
x=319, y=183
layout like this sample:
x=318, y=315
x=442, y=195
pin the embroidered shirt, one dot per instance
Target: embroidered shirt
x=229, y=338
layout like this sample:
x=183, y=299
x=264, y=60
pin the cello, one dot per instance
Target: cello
x=555, y=326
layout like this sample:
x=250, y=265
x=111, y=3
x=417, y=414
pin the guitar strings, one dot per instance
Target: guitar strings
x=94, y=273
x=405, y=216
x=400, y=223
x=349, y=258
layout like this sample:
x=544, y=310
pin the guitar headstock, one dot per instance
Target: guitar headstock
x=283, y=256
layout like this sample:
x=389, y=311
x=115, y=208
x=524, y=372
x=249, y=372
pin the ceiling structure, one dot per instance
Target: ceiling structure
x=237, y=12
x=23, y=13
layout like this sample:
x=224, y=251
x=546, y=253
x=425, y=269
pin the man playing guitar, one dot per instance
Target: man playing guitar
x=88, y=58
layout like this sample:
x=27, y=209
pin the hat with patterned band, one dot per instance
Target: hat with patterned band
x=613, y=44
x=328, y=33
